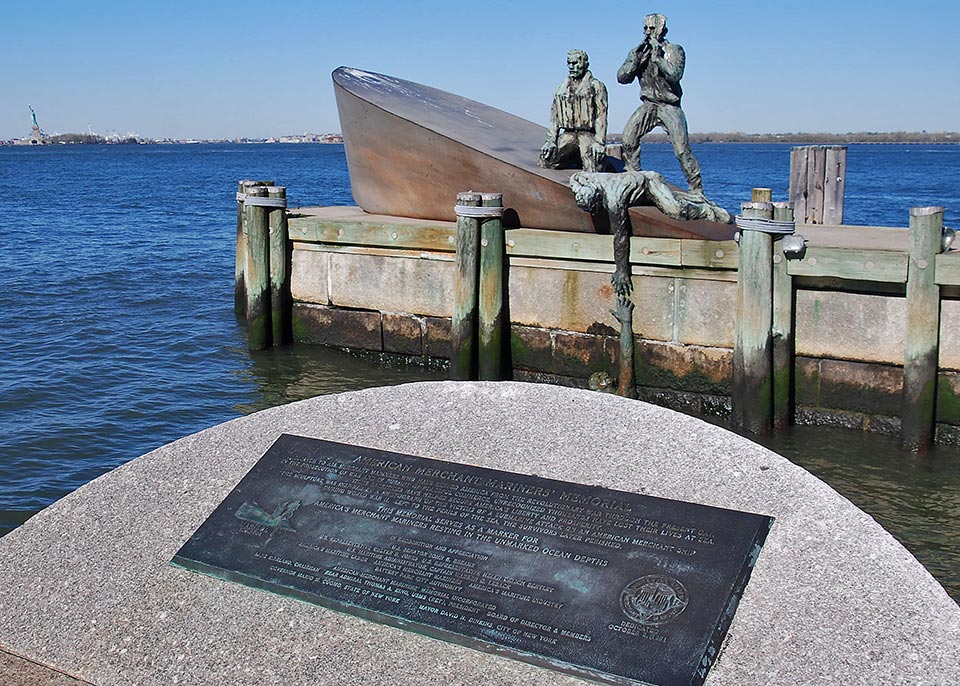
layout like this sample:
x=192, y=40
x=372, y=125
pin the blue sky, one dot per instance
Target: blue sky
x=209, y=69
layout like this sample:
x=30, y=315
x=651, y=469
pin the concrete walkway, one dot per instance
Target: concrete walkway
x=85, y=586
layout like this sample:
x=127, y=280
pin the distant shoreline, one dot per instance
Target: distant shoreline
x=132, y=139
x=861, y=138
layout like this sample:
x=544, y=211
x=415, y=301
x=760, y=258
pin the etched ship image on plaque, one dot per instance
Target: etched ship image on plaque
x=612, y=586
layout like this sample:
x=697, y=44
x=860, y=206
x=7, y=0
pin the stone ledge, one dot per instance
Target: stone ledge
x=337, y=327
x=86, y=586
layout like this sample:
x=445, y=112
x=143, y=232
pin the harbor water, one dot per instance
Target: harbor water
x=117, y=331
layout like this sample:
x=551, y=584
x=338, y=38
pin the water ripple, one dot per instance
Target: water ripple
x=117, y=332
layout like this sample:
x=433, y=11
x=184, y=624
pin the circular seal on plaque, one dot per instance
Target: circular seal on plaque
x=653, y=600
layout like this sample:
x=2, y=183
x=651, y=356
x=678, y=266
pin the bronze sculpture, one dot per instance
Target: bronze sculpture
x=658, y=65
x=617, y=193
x=576, y=136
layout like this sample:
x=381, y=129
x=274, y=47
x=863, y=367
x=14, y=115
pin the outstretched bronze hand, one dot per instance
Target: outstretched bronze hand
x=622, y=283
x=624, y=311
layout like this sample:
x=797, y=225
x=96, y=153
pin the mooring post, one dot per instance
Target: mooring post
x=817, y=180
x=280, y=301
x=834, y=182
x=752, y=352
x=782, y=328
x=466, y=291
x=258, y=268
x=761, y=195
x=491, y=297
x=239, y=287
x=921, y=340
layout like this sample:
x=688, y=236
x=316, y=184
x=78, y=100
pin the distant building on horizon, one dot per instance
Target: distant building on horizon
x=308, y=138
x=36, y=133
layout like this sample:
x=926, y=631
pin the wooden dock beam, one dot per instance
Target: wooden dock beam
x=752, y=401
x=921, y=338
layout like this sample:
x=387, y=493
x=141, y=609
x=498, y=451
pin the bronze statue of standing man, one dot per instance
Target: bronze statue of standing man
x=658, y=64
x=578, y=120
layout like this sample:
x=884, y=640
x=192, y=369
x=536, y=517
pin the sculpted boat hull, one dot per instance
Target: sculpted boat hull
x=411, y=148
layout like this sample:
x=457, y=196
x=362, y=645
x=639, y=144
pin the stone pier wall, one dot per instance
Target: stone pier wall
x=354, y=291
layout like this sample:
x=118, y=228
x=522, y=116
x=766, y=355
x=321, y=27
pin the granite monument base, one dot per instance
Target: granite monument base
x=86, y=585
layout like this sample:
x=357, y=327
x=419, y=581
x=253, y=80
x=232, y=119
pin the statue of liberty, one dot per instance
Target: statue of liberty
x=36, y=133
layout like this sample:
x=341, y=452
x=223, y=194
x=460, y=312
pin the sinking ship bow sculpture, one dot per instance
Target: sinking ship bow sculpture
x=411, y=148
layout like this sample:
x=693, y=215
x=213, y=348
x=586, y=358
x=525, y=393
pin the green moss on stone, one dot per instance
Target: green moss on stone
x=301, y=333
x=807, y=381
x=948, y=401
x=680, y=369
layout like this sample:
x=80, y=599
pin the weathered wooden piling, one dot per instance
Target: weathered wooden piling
x=817, y=179
x=257, y=272
x=466, y=291
x=921, y=338
x=491, y=297
x=239, y=288
x=761, y=195
x=752, y=399
x=782, y=327
x=280, y=301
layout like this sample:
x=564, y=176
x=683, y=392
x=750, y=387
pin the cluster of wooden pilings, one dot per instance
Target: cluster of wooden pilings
x=763, y=349
x=762, y=379
x=478, y=310
x=262, y=276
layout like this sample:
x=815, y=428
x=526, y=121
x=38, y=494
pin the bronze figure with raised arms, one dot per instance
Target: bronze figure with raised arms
x=658, y=65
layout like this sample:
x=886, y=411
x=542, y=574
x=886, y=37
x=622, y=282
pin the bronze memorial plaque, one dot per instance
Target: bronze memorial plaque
x=612, y=586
